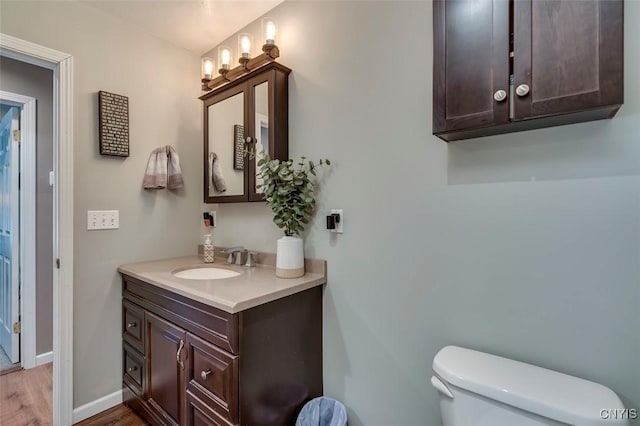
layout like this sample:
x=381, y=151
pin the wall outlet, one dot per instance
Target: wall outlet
x=103, y=219
x=339, y=225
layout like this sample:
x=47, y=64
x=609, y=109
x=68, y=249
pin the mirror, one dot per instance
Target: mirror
x=261, y=108
x=226, y=146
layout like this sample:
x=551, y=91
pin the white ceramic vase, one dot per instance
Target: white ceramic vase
x=290, y=257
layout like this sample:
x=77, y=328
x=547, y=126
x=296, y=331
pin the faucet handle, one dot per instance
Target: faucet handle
x=251, y=261
x=239, y=256
x=232, y=251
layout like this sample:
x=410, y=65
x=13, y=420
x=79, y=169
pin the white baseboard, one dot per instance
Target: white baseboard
x=44, y=358
x=99, y=405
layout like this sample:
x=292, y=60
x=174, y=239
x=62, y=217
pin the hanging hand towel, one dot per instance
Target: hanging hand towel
x=156, y=175
x=215, y=173
x=174, y=172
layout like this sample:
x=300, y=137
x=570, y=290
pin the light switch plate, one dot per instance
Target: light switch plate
x=103, y=219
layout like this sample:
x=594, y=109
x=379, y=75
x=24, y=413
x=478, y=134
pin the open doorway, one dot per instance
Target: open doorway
x=26, y=239
x=28, y=91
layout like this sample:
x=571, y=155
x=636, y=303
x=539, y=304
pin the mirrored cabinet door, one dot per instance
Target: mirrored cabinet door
x=225, y=156
x=250, y=113
x=260, y=128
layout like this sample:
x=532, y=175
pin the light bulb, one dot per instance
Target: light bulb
x=224, y=57
x=269, y=30
x=207, y=68
x=245, y=45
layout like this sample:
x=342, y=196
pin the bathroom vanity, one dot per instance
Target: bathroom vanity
x=245, y=350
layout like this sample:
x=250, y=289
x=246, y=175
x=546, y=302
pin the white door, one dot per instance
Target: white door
x=9, y=233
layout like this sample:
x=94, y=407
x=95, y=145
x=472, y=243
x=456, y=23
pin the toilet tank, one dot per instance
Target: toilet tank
x=479, y=389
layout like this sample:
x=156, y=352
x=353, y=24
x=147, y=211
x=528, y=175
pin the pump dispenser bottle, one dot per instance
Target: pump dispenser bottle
x=208, y=249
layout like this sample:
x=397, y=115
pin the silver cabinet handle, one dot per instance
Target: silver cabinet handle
x=132, y=325
x=522, y=90
x=205, y=374
x=249, y=139
x=180, y=348
x=500, y=95
x=132, y=369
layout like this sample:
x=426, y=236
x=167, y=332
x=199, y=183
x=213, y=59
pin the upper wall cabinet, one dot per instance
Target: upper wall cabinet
x=502, y=66
x=249, y=113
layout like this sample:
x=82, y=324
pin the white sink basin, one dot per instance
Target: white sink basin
x=205, y=273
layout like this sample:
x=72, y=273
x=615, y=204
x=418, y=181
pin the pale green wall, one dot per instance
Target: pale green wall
x=162, y=83
x=525, y=245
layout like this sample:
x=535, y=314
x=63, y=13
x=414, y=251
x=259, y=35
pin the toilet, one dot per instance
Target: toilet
x=479, y=389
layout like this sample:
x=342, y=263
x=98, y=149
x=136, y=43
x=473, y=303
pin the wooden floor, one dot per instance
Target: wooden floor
x=119, y=415
x=25, y=397
x=26, y=400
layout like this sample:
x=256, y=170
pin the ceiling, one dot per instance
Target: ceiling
x=195, y=25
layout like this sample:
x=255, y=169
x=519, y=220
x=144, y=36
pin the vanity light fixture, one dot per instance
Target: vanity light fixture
x=270, y=53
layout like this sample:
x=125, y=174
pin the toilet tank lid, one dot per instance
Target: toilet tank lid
x=558, y=396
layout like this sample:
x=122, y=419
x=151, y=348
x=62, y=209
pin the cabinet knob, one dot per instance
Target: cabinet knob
x=500, y=95
x=205, y=374
x=132, y=325
x=249, y=139
x=132, y=369
x=522, y=90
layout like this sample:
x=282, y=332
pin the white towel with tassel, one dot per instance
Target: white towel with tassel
x=215, y=173
x=163, y=169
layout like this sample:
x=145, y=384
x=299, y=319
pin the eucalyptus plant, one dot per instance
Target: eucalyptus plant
x=289, y=191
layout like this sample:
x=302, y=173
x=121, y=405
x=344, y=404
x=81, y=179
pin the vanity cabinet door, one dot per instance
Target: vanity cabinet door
x=568, y=56
x=166, y=360
x=471, y=64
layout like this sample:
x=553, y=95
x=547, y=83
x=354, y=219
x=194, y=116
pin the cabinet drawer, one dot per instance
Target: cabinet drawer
x=212, y=324
x=213, y=377
x=132, y=325
x=134, y=369
x=198, y=414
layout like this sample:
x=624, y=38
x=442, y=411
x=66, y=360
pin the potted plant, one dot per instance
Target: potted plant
x=289, y=191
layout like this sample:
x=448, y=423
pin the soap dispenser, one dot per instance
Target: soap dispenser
x=208, y=249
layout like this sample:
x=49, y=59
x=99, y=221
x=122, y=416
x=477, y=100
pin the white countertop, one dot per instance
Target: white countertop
x=254, y=286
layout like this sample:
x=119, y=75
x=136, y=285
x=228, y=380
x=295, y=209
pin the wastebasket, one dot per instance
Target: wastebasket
x=322, y=411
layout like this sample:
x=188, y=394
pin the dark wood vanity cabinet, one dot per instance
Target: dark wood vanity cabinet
x=187, y=363
x=503, y=66
x=248, y=113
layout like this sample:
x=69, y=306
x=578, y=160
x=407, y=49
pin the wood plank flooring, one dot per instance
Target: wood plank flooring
x=26, y=397
x=26, y=400
x=118, y=415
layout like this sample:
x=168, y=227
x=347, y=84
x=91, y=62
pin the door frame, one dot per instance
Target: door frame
x=62, y=66
x=27, y=239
